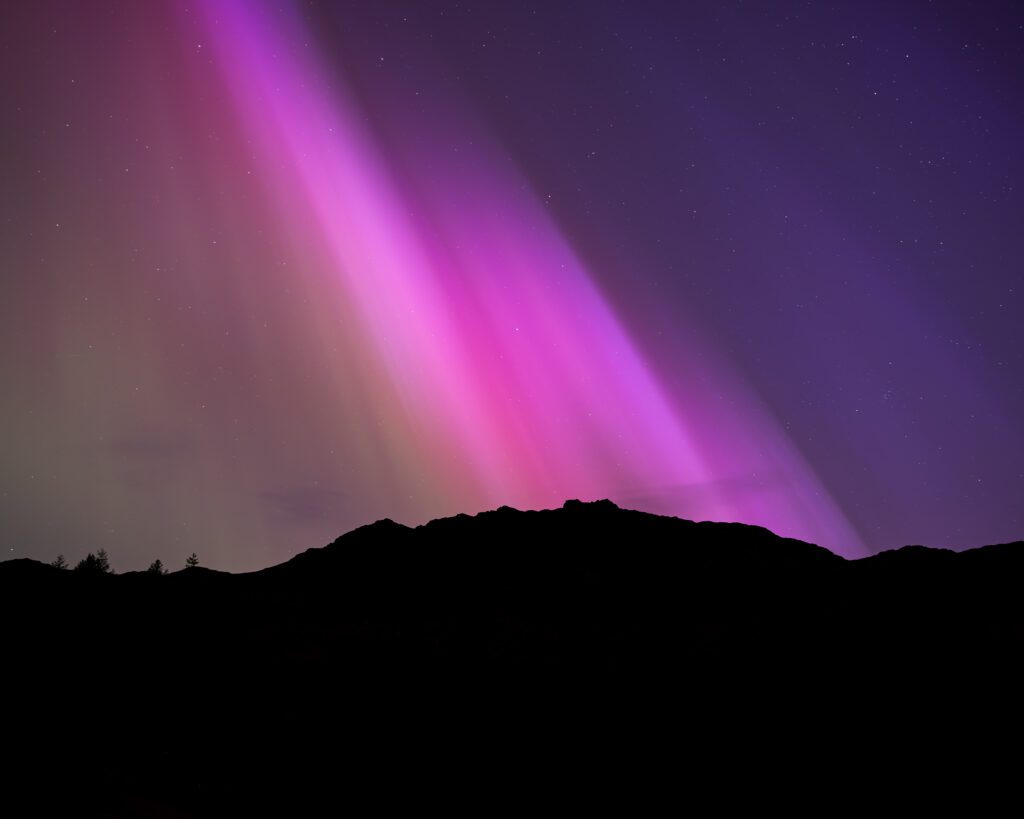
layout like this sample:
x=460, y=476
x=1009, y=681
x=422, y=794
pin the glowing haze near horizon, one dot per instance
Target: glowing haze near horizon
x=262, y=286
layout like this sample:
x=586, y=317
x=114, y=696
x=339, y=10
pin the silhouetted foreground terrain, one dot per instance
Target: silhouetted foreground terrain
x=412, y=661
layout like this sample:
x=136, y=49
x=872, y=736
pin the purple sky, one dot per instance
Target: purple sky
x=269, y=271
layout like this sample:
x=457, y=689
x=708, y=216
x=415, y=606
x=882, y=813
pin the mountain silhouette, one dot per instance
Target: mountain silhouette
x=208, y=693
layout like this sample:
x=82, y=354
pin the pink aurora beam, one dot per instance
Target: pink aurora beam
x=498, y=366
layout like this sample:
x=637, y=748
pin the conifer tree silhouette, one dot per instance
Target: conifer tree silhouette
x=104, y=562
x=97, y=563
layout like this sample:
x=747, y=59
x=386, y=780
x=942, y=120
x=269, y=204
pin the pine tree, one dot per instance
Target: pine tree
x=157, y=567
x=60, y=562
x=94, y=563
x=191, y=561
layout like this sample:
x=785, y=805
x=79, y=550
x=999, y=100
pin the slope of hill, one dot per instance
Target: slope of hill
x=181, y=692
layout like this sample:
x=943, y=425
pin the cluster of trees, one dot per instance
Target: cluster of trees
x=99, y=563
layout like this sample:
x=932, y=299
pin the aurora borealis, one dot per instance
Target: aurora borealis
x=273, y=270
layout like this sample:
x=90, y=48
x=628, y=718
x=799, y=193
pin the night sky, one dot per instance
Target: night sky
x=273, y=270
